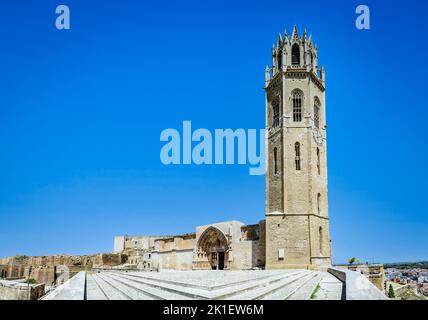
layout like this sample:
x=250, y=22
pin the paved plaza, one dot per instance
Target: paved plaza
x=218, y=285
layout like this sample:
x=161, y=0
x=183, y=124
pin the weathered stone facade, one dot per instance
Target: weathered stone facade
x=223, y=246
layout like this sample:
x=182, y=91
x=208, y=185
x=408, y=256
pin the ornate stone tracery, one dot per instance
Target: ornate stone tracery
x=212, y=250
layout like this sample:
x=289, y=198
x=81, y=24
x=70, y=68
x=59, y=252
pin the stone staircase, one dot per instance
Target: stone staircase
x=212, y=285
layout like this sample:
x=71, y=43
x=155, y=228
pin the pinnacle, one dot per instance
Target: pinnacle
x=295, y=33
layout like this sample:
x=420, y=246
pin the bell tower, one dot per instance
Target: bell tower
x=297, y=223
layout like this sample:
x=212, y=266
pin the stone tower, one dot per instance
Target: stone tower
x=297, y=225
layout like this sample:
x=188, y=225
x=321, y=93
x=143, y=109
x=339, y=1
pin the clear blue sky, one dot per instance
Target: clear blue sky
x=81, y=112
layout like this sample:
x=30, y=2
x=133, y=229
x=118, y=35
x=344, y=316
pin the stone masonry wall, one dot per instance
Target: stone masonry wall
x=287, y=235
x=46, y=269
x=11, y=291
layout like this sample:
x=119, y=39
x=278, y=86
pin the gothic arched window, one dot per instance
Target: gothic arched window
x=297, y=105
x=295, y=55
x=320, y=235
x=317, y=106
x=319, y=203
x=318, y=161
x=297, y=158
x=279, y=59
x=275, y=119
x=275, y=160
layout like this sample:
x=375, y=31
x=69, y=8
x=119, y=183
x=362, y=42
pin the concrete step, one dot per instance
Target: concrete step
x=109, y=289
x=285, y=291
x=259, y=289
x=259, y=292
x=331, y=288
x=157, y=277
x=222, y=293
x=291, y=285
x=132, y=292
x=149, y=290
x=306, y=290
x=93, y=290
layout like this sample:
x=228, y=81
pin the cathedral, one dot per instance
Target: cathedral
x=295, y=233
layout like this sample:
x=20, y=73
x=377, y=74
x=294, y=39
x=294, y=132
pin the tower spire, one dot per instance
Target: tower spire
x=279, y=42
x=295, y=33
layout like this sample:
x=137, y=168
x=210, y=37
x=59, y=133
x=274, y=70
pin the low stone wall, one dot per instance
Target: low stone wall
x=46, y=275
x=18, y=290
x=357, y=286
x=175, y=259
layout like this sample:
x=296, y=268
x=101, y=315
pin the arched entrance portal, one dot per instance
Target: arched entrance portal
x=212, y=251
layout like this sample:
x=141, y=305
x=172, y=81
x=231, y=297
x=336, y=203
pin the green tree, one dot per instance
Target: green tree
x=391, y=293
x=353, y=260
